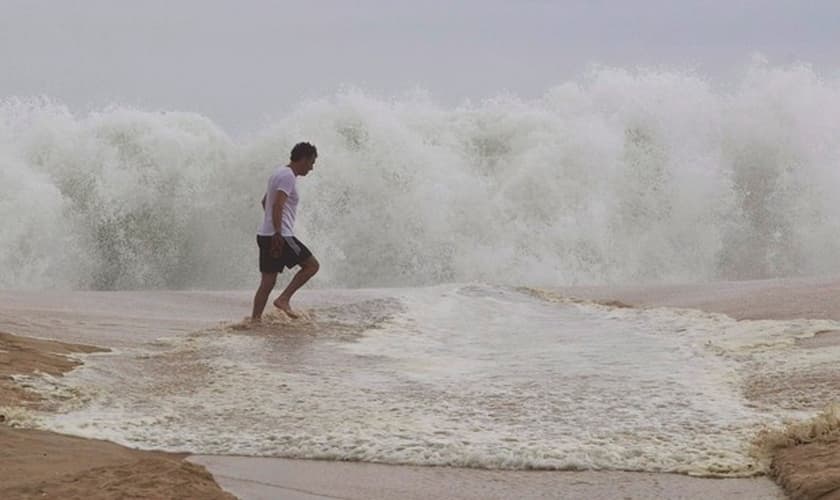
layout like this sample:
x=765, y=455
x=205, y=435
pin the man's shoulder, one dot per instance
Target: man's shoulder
x=283, y=172
x=283, y=179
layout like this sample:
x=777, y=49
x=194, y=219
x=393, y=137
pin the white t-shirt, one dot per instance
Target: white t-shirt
x=283, y=179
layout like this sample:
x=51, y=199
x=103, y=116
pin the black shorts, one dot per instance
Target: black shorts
x=294, y=252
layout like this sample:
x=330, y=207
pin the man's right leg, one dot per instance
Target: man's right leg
x=308, y=268
x=261, y=297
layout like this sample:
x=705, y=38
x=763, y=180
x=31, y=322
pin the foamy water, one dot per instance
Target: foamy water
x=619, y=176
x=469, y=375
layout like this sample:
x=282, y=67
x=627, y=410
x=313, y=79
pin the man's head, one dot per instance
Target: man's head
x=303, y=158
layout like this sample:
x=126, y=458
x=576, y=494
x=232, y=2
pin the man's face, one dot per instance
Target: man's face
x=308, y=165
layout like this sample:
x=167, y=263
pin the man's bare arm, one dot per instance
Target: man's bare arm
x=277, y=210
x=263, y=201
x=277, y=220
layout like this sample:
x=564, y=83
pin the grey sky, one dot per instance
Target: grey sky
x=240, y=62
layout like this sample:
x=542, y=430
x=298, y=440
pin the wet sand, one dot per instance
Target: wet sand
x=40, y=464
x=807, y=469
x=269, y=478
x=805, y=298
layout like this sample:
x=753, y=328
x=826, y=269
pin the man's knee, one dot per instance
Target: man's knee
x=268, y=280
x=311, y=264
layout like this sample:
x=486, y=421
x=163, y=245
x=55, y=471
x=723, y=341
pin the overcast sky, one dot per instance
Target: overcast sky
x=240, y=62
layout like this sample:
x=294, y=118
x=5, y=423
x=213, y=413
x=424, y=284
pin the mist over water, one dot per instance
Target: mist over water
x=623, y=176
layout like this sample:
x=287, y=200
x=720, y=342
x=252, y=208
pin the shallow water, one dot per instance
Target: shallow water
x=468, y=375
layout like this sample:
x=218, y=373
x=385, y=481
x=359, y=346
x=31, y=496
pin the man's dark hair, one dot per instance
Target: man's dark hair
x=303, y=150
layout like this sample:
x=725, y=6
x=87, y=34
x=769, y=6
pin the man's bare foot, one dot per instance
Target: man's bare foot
x=284, y=306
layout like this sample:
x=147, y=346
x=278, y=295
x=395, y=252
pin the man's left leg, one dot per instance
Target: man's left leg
x=308, y=268
x=267, y=283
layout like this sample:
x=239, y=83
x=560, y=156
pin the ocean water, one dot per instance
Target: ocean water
x=469, y=375
x=455, y=221
x=620, y=176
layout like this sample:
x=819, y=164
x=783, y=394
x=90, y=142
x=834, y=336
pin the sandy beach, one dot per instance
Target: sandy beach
x=40, y=464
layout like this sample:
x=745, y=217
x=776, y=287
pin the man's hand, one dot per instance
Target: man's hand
x=276, y=246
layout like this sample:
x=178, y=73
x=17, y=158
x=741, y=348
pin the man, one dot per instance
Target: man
x=276, y=238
